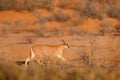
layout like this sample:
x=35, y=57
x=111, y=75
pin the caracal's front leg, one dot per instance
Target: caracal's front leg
x=26, y=61
x=62, y=58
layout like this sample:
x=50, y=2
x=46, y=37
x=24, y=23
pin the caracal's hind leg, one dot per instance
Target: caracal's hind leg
x=29, y=58
x=37, y=61
x=26, y=61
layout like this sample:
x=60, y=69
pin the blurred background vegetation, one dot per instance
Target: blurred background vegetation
x=84, y=68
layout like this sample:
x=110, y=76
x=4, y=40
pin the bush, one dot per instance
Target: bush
x=41, y=19
x=4, y=31
x=60, y=16
x=65, y=4
x=106, y=27
x=114, y=11
x=92, y=11
x=40, y=31
x=7, y=4
x=29, y=5
x=117, y=27
x=47, y=4
x=29, y=39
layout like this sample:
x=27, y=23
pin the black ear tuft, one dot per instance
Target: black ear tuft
x=63, y=41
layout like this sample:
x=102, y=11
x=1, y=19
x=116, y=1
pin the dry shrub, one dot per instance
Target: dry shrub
x=19, y=26
x=101, y=59
x=43, y=31
x=117, y=27
x=29, y=5
x=76, y=19
x=76, y=23
x=57, y=31
x=65, y=4
x=3, y=32
x=92, y=11
x=74, y=31
x=40, y=31
x=18, y=29
x=29, y=39
x=7, y=26
x=88, y=8
x=88, y=55
x=7, y=22
x=6, y=4
x=80, y=6
x=106, y=27
x=41, y=20
x=60, y=16
x=47, y=4
x=114, y=11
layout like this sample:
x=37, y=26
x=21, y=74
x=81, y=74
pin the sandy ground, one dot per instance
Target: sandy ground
x=15, y=48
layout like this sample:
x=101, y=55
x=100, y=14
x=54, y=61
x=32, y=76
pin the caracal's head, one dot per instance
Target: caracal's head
x=66, y=46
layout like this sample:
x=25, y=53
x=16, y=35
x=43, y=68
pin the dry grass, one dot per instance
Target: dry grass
x=91, y=64
x=29, y=5
x=117, y=27
x=29, y=39
x=114, y=11
x=49, y=71
x=59, y=16
x=3, y=32
x=40, y=31
x=106, y=27
x=65, y=4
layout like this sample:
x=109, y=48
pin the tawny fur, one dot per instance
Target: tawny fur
x=40, y=51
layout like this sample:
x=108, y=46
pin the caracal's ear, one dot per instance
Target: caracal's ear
x=64, y=43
